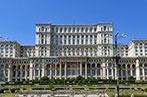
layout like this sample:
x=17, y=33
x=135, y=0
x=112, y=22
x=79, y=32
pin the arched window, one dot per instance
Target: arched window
x=73, y=29
x=36, y=66
x=82, y=29
x=86, y=30
x=77, y=29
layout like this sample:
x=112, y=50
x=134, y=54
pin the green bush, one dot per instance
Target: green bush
x=37, y=88
x=13, y=90
x=1, y=90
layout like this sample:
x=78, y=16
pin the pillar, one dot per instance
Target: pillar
x=50, y=71
x=103, y=70
x=137, y=70
x=9, y=73
x=60, y=70
x=31, y=70
x=96, y=70
x=80, y=68
x=86, y=70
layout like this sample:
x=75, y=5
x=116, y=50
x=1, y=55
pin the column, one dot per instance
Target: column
x=131, y=73
x=101, y=73
x=43, y=70
x=55, y=71
x=26, y=73
x=66, y=70
x=112, y=73
x=137, y=70
x=80, y=68
x=104, y=69
x=39, y=71
x=31, y=70
x=50, y=71
x=86, y=70
x=60, y=70
x=9, y=73
x=107, y=71
x=143, y=72
x=116, y=72
x=96, y=70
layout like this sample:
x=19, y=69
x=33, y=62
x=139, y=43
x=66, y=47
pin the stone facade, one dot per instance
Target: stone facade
x=67, y=51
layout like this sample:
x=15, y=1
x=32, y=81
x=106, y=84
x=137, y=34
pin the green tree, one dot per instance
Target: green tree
x=130, y=78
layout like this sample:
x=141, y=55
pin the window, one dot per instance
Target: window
x=69, y=42
x=60, y=29
x=77, y=29
x=86, y=41
x=56, y=41
x=73, y=29
x=86, y=30
x=73, y=72
x=82, y=29
x=56, y=29
x=86, y=36
x=98, y=72
x=82, y=36
x=82, y=41
x=48, y=72
x=73, y=41
x=93, y=72
x=94, y=29
x=78, y=41
x=104, y=28
x=69, y=29
x=52, y=29
x=65, y=29
x=110, y=71
x=36, y=72
x=60, y=41
x=42, y=28
x=90, y=29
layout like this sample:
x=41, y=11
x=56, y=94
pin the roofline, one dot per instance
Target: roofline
x=10, y=41
x=107, y=23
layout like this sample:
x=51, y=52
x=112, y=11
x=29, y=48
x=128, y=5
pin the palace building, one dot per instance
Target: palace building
x=67, y=51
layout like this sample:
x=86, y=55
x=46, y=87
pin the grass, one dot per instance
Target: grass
x=123, y=93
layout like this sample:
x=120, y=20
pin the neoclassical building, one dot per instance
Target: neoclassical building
x=67, y=51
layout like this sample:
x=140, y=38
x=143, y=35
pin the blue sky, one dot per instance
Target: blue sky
x=18, y=17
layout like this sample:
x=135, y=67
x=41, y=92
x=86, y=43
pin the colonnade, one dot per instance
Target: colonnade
x=66, y=70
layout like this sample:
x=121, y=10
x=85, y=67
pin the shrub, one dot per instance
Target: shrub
x=37, y=88
x=51, y=86
x=1, y=90
x=13, y=90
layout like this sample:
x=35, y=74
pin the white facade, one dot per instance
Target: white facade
x=67, y=51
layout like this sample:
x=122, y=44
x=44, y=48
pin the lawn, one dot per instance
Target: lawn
x=123, y=93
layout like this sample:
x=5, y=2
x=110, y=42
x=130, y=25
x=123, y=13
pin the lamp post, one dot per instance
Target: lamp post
x=117, y=57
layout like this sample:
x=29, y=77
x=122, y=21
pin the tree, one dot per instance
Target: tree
x=131, y=78
x=80, y=78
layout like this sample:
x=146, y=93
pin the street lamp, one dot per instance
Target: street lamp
x=116, y=37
